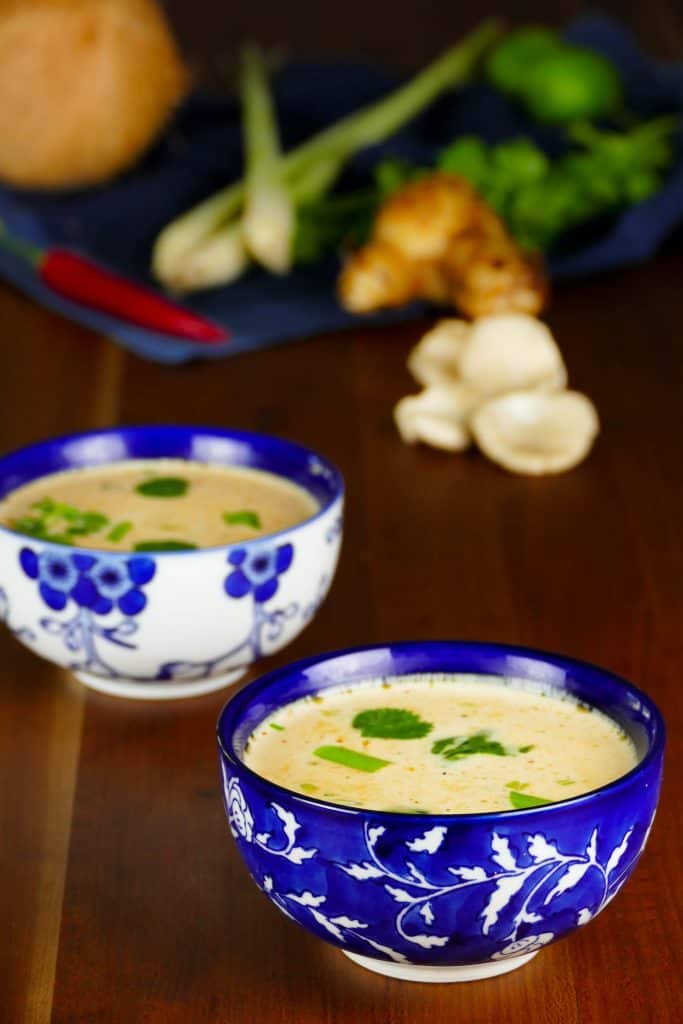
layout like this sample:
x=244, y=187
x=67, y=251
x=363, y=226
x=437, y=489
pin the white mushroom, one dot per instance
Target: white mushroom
x=434, y=360
x=437, y=416
x=511, y=352
x=536, y=433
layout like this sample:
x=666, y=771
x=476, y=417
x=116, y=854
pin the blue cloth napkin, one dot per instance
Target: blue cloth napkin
x=116, y=224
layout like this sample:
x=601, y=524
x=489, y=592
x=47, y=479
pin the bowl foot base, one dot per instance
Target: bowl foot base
x=161, y=690
x=420, y=972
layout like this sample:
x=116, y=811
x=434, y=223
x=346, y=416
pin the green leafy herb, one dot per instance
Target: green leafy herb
x=391, y=723
x=351, y=758
x=244, y=517
x=165, y=545
x=163, y=487
x=119, y=532
x=308, y=787
x=526, y=749
x=566, y=782
x=453, y=748
x=517, y=785
x=59, y=523
x=521, y=800
x=278, y=728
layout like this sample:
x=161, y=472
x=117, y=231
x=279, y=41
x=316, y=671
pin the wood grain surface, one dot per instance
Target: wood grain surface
x=122, y=896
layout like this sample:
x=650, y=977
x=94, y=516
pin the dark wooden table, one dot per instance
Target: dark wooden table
x=122, y=897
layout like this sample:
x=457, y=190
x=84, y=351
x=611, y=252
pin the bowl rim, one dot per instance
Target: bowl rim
x=227, y=720
x=251, y=437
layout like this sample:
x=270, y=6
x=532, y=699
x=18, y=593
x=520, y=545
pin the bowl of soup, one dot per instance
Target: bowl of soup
x=158, y=562
x=440, y=811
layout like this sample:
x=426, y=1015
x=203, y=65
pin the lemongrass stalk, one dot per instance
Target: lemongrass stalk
x=220, y=259
x=365, y=127
x=268, y=221
x=191, y=229
x=377, y=122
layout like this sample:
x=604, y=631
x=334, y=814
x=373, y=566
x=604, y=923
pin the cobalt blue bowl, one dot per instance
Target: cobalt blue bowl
x=441, y=897
x=174, y=623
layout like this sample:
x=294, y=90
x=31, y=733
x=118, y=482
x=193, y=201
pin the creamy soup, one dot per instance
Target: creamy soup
x=160, y=504
x=447, y=744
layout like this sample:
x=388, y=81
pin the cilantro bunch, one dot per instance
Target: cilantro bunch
x=539, y=199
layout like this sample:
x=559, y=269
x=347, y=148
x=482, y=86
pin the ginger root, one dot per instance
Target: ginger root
x=436, y=239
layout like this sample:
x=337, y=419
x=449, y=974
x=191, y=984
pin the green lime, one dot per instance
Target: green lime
x=508, y=64
x=571, y=84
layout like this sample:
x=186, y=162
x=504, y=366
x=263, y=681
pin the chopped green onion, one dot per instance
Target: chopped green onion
x=119, y=532
x=522, y=800
x=351, y=758
x=278, y=728
x=243, y=517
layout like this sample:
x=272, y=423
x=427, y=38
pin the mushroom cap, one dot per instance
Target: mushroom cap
x=534, y=432
x=511, y=352
x=437, y=417
x=435, y=359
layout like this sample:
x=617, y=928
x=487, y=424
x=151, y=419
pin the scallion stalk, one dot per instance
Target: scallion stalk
x=337, y=143
x=268, y=220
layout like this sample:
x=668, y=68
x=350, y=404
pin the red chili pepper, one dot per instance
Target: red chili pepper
x=82, y=281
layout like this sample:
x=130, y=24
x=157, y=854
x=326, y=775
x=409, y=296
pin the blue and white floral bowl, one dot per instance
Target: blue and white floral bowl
x=441, y=897
x=169, y=624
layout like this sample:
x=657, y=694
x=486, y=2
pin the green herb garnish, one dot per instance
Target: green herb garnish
x=163, y=487
x=58, y=522
x=308, y=787
x=278, y=728
x=521, y=800
x=526, y=749
x=243, y=517
x=391, y=724
x=453, y=748
x=119, y=532
x=165, y=545
x=517, y=785
x=351, y=758
x=566, y=782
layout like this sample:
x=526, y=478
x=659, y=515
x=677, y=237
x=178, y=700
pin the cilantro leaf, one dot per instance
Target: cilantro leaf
x=391, y=724
x=163, y=487
x=453, y=748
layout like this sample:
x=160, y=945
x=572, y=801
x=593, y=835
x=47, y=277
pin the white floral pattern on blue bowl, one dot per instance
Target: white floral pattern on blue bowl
x=177, y=623
x=441, y=897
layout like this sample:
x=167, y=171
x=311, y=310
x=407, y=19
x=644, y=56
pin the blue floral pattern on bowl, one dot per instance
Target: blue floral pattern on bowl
x=405, y=893
x=97, y=585
x=95, y=582
x=257, y=571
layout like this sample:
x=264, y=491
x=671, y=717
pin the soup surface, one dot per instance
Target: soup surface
x=159, y=504
x=440, y=744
